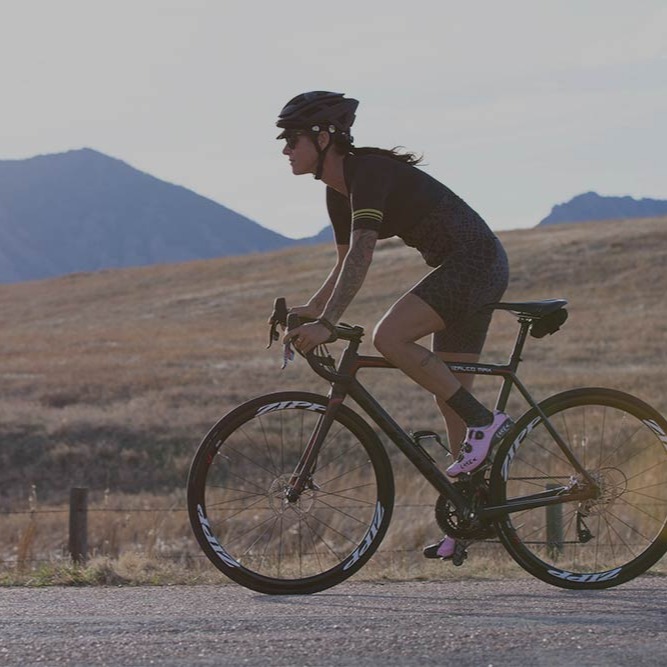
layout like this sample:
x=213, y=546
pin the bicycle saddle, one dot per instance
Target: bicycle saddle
x=532, y=308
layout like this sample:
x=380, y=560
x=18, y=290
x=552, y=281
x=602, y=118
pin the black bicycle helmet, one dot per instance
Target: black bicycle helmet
x=318, y=111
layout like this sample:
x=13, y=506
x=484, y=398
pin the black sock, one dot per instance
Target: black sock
x=469, y=408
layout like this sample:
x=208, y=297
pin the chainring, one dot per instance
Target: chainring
x=476, y=493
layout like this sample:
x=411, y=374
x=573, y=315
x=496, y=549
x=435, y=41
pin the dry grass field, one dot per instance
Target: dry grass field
x=110, y=380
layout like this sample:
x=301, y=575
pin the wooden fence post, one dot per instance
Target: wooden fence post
x=78, y=524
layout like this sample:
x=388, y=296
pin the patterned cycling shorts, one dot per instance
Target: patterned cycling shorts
x=459, y=290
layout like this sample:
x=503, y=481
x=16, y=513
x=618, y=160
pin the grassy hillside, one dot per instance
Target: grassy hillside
x=111, y=379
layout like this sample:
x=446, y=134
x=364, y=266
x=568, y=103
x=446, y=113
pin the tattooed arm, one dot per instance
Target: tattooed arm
x=352, y=273
x=319, y=300
x=349, y=279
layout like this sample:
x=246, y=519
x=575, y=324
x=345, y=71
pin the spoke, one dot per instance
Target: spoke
x=660, y=484
x=620, y=538
x=238, y=511
x=250, y=494
x=544, y=475
x=641, y=509
x=252, y=439
x=365, y=464
x=340, y=511
x=331, y=528
x=624, y=442
x=660, y=500
x=266, y=442
x=266, y=547
x=644, y=472
x=627, y=525
x=313, y=535
x=247, y=481
x=272, y=473
x=601, y=445
x=336, y=494
x=329, y=446
x=233, y=540
x=321, y=539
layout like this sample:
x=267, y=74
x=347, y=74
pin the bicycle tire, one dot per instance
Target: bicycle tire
x=252, y=533
x=621, y=441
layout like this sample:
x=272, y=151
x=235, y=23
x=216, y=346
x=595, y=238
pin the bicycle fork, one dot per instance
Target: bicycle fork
x=302, y=477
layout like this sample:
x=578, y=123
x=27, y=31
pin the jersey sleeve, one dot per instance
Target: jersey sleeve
x=368, y=194
x=340, y=215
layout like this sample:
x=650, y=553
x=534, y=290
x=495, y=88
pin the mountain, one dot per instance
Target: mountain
x=591, y=206
x=85, y=211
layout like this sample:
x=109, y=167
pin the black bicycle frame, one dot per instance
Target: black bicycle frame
x=345, y=383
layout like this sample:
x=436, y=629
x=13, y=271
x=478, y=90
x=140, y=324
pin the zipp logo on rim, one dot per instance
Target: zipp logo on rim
x=655, y=427
x=586, y=578
x=288, y=405
x=368, y=539
x=210, y=538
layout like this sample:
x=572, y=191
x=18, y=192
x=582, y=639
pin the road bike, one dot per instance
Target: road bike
x=292, y=492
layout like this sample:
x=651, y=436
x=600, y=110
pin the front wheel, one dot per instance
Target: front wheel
x=244, y=517
x=602, y=541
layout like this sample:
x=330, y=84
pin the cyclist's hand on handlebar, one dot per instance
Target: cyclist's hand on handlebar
x=307, y=336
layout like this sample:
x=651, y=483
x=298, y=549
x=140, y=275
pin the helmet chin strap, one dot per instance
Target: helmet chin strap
x=321, y=152
x=321, y=155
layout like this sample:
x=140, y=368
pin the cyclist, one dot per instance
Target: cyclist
x=373, y=194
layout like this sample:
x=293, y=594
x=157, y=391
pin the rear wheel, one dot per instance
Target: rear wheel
x=238, y=495
x=607, y=540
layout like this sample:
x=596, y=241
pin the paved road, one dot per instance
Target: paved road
x=518, y=622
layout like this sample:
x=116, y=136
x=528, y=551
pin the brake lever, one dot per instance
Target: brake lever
x=288, y=355
x=278, y=316
x=293, y=322
x=273, y=333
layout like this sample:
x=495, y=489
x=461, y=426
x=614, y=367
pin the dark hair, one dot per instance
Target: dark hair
x=393, y=153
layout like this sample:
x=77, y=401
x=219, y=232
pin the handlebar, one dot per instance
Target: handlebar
x=282, y=317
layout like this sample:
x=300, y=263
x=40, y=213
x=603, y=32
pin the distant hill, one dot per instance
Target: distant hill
x=592, y=206
x=85, y=211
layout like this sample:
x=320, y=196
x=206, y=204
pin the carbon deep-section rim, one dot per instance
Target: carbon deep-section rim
x=238, y=495
x=603, y=541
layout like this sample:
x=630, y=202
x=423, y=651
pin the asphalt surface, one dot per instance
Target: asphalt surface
x=503, y=622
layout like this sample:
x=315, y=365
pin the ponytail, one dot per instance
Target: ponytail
x=395, y=153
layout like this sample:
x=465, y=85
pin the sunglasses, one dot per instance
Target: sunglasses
x=292, y=139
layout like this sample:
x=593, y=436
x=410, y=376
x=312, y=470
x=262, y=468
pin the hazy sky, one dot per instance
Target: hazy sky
x=517, y=105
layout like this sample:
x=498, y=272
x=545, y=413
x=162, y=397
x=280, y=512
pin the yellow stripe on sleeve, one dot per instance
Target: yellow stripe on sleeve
x=371, y=214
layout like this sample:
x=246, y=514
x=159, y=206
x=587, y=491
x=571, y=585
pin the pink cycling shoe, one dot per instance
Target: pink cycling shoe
x=443, y=549
x=478, y=443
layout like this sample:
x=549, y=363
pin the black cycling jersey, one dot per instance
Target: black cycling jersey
x=384, y=194
x=397, y=199
x=393, y=198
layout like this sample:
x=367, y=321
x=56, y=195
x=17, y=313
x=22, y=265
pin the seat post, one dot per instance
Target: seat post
x=515, y=358
x=520, y=341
